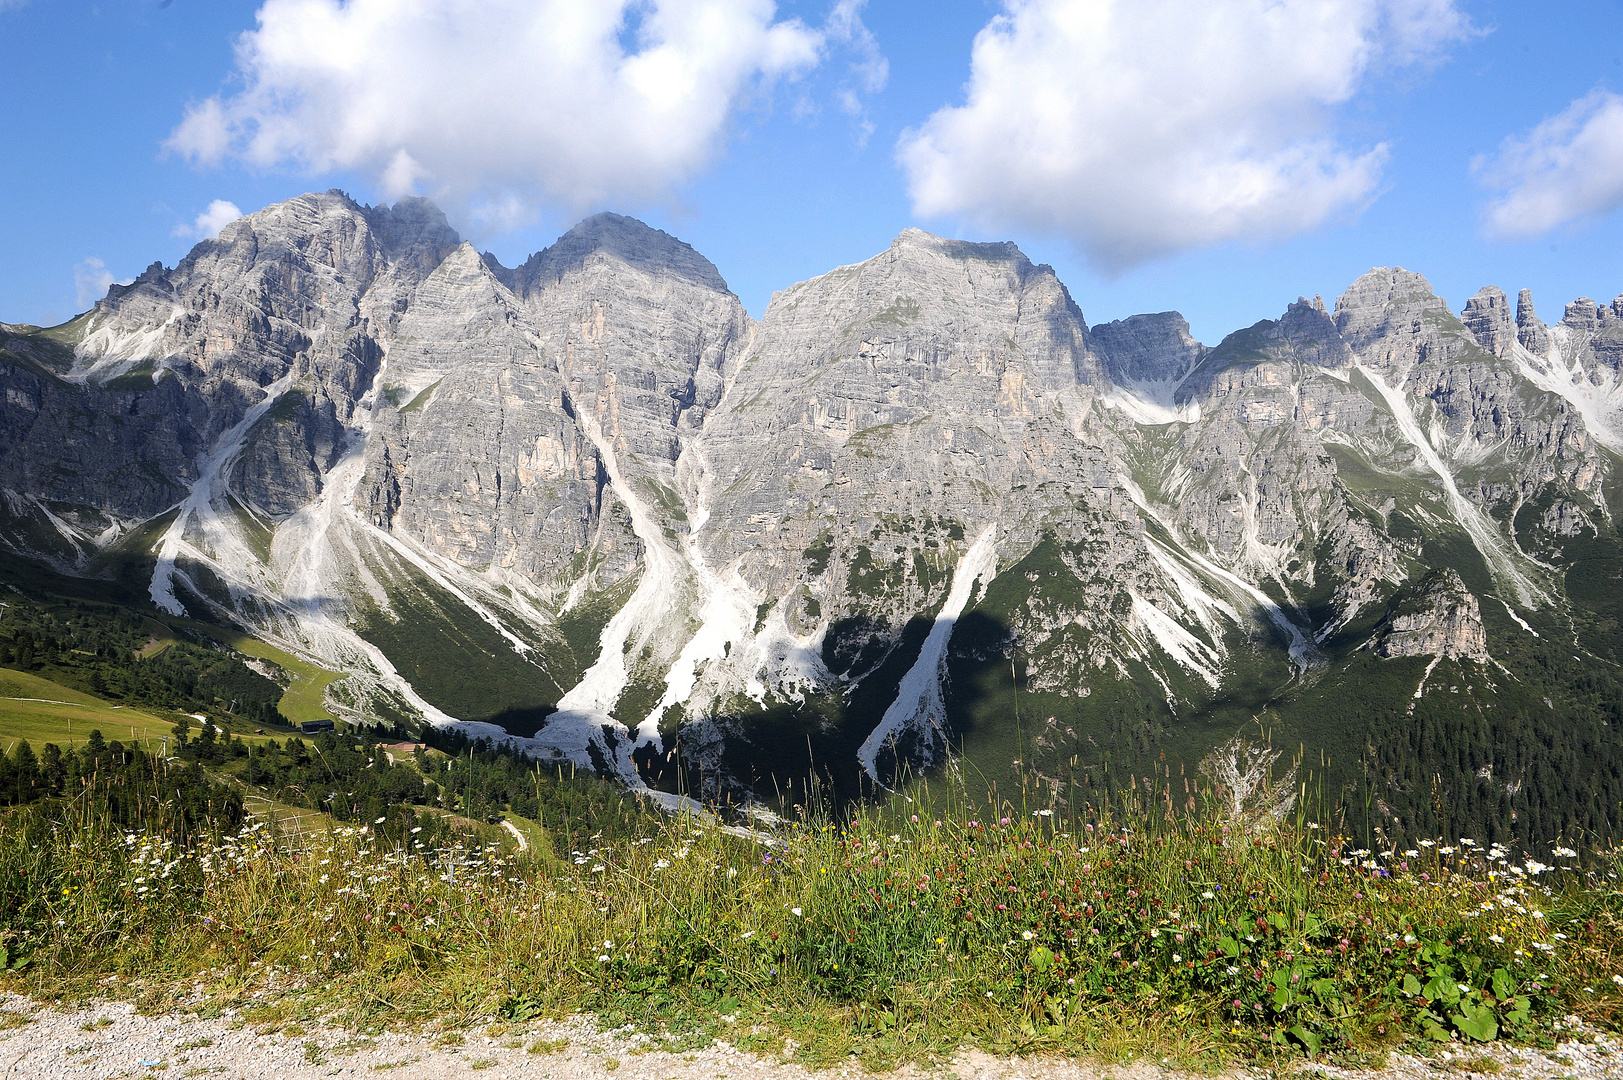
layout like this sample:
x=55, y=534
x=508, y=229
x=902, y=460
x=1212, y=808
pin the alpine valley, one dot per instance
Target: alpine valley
x=921, y=516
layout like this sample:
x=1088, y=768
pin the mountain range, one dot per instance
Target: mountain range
x=920, y=516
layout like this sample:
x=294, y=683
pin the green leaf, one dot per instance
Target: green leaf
x=1230, y=947
x=1476, y=1022
x=1443, y=988
x=1504, y=986
x=1042, y=958
x=1308, y=1039
x=1434, y=1030
x=1411, y=986
x=1278, y=921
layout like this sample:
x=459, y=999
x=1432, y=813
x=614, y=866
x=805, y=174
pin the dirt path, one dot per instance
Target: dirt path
x=110, y=1040
x=523, y=844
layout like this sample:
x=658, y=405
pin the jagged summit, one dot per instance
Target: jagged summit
x=1147, y=348
x=627, y=239
x=1487, y=316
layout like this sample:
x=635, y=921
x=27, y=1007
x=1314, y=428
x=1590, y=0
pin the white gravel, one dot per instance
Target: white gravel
x=109, y=1039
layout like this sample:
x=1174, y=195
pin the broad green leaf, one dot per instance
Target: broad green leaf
x=1476, y=1022
x=1443, y=988
x=1504, y=986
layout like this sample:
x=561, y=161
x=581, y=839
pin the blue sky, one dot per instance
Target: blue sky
x=1219, y=159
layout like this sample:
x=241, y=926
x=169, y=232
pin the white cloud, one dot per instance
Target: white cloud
x=208, y=224
x=1567, y=168
x=869, y=71
x=486, y=102
x=91, y=279
x=1137, y=128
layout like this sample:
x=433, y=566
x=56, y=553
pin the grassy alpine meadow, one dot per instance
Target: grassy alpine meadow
x=897, y=933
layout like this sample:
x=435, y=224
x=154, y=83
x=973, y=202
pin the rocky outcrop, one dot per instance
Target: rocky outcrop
x=1440, y=618
x=1487, y=316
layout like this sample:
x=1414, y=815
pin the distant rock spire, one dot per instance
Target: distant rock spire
x=1530, y=329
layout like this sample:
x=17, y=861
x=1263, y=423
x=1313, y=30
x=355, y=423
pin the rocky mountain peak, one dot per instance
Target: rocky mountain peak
x=413, y=232
x=917, y=240
x=1147, y=348
x=1586, y=316
x=621, y=239
x=1487, y=317
x=1381, y=299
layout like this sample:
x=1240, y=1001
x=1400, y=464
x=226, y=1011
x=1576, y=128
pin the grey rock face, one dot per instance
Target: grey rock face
x=1147, y=348
x=642, y=327
x=473, y=451
x=1487, y=316
x=1442, y=619
x=1530, y=329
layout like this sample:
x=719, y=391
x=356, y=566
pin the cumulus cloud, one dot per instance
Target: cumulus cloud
x=91, y=280
x=1568, y=168
x=1138, y=128
x=208, y=224
x=494, y=104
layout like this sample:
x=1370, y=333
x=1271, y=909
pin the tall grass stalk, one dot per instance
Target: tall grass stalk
x=897, y=932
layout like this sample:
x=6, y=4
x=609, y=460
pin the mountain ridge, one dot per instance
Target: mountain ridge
x=588, y=504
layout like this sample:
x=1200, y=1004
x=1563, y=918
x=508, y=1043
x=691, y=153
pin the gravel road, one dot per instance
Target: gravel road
x=110, y=1040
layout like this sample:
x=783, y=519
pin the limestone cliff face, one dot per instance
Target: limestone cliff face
x=596, y=474
x=1442, y=620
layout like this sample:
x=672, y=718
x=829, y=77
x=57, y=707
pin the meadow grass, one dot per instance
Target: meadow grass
x=895, y=933
x=43, y=711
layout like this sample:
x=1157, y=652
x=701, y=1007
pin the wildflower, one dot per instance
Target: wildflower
x=795, y=912
x=1564, y=853
x=1027, y=935
x=1042, y=813
x=1496, y=939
